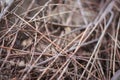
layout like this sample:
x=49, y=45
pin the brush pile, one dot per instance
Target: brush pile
x=60, y=40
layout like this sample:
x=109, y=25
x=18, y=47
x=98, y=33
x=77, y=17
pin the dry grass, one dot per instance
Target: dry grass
x=70, y=40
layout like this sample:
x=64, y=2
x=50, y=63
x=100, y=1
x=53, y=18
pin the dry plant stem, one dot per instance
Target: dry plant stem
x=31, y=67
x=64, y=70
x=29, y=7
x=30, y=10
x=75, y=69
x=100, y=59
x=80, y=41
x=82, y=38
x=80, y=27
x=3, y=42
x=60, y=53
x=39, y=32
x=46, y=49
x=99, y=42
x=66, y=25
x=67, y=62
x=9, y=30
x=46, y=69
x=84, y=68
x=111, y=57
x=22, y=52
x=84, y=58
x=117, y=8
x=60, y=37
x=98, y=20
x=70, y=57
x=58, y=24
x=6, y=8
x=83, y=44
x=103, y=10
x=39, y=56
x=63, y=35
x=70, y=16
x=114, y=40
x=43, y=36
x=115, y=47
x=50, y=16
x=116, y=76
x=35, y=43
x=106, y=25
x=107, y=10
x=46, y=61
x=8, y=52
x=101, y=70
x=82, y=11
x=36, y=53
x=112, y=51
x=11, y=44
x=41, y=9
x=45, y=21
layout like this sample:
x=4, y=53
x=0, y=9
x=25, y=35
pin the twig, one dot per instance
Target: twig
x=8, y=3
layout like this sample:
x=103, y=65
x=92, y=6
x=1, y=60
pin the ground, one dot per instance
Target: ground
x=60, y=40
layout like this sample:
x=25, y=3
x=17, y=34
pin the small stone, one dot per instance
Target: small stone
x=21, y=64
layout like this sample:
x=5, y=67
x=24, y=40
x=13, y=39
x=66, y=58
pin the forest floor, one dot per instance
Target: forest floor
x=60, y=40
